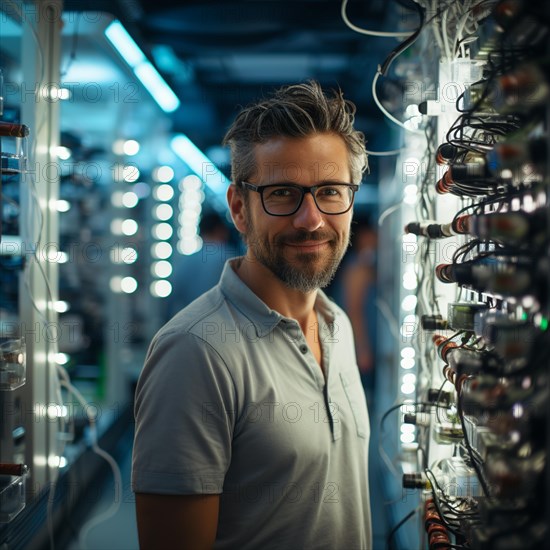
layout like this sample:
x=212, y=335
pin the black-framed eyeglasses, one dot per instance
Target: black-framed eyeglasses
x=285, y=199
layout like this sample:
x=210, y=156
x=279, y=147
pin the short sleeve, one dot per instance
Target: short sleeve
x=184, y=412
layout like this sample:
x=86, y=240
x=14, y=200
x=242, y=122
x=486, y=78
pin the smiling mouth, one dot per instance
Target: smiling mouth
x=308, y=245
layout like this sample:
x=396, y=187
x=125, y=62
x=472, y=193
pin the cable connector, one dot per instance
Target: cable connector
x=419, y=419
x=433, y=322
x=437, y=396
x=416, y=480
x=434, y=107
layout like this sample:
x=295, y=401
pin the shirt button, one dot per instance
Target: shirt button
x=303, y=348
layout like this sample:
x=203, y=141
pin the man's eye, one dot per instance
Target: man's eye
x=330, y=191
x=280, y=192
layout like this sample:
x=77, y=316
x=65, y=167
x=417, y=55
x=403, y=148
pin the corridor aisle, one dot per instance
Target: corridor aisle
x=119, y=532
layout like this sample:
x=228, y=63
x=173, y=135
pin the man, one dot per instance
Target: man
x=251, y=423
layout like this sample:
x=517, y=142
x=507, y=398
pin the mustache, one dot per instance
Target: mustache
x=298, y=237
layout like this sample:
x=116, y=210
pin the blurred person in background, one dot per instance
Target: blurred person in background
x=354, y=289
x=359, y=296
x=196, y=273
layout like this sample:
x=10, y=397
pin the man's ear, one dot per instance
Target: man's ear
x=237, y=207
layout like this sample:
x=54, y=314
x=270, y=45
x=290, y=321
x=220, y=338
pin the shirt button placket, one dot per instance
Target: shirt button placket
x=335, y=421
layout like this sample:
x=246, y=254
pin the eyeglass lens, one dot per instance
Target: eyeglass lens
x=331, y=199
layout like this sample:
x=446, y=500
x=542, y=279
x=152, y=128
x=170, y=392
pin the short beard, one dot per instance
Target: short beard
x=302, y=276
x=297, y=279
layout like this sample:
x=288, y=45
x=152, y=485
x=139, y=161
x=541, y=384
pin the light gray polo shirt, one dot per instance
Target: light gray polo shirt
x=231, y=401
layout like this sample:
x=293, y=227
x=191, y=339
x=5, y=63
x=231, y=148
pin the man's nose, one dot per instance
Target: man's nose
x=308, y=216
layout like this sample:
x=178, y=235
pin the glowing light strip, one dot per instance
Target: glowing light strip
x=143, y=69
x=199, y=163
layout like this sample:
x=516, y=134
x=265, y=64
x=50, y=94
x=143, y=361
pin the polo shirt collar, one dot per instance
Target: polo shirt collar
x=260, y=315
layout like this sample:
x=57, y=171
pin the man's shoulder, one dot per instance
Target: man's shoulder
x=205, y=321
x=196, y=338
x=210, y=306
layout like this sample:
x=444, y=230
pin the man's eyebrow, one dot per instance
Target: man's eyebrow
x=322, y=182
x=342, y=182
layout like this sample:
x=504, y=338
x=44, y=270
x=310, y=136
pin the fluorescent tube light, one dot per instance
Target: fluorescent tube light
x=143, y=69
x=157, y=87
x=199, y=163
x=125, y=44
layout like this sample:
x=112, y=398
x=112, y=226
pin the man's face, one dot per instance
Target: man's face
x=304, y=249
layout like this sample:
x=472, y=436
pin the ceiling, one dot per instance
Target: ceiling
x=219, y=55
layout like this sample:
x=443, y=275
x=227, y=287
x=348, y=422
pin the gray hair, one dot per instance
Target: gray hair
x=294, y=111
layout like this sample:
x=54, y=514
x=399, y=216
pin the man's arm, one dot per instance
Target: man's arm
x=187, y=522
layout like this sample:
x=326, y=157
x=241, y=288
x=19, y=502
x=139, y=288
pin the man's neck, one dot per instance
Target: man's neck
x=289, y=302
